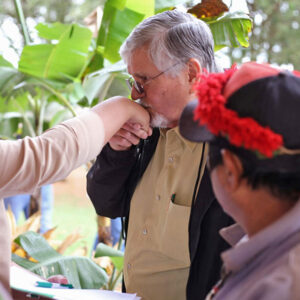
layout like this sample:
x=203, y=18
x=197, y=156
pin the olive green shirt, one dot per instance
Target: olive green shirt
x=157, y=257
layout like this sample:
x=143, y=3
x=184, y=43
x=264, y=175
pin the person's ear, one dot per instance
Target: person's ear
x=194, y=69
x=233, y=169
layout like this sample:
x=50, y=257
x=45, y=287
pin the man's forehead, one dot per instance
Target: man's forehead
x=140, y=64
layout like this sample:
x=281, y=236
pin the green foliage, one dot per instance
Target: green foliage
x=81, y=272
x=231, y=29
x=4, y=62
x=98, y=83
x=162, y=5
x=61, y=61
x=117, y=23
x=275, y=35
x=116, y=256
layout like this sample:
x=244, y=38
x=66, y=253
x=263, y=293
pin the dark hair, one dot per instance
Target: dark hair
x=281, y=182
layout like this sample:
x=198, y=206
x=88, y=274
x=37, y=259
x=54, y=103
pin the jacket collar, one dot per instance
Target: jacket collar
x=242, y=253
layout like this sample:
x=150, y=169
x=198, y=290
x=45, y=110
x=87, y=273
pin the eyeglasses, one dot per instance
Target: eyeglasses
x=140, y=87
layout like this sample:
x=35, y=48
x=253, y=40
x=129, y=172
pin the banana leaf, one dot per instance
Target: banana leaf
x=147, y=8
x=63, y=60
x=162, y=5
x=231, y=29
x=4, y=62
x=9, y=77
x=116, y=256
x=81, y=272
x=117, y=23
x=97, y=84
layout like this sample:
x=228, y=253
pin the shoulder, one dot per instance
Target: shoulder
x=282, y=282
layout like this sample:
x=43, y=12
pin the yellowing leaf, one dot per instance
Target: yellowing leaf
x=69, y=240
x=49, y=233
x=11, y=220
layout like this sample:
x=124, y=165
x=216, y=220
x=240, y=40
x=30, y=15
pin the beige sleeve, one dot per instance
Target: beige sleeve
x=32, y=162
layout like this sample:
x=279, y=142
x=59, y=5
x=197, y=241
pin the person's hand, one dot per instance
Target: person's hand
x=130, y=134
x=58, y=279
x=125, y=122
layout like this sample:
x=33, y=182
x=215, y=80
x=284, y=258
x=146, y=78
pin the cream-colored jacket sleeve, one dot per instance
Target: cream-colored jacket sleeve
x=32, y=162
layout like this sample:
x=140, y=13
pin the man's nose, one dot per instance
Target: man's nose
x=135, y=94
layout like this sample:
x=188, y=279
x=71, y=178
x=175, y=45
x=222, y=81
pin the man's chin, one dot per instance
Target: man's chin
x=159, y=121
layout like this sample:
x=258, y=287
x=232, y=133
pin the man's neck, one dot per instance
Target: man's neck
x=261, y=210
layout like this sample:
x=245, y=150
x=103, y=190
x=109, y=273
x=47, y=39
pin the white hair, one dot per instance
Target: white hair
x=173, y=37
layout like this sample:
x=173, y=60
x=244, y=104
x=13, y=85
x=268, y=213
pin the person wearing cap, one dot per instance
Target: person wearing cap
x=32, y=162
x=250, y=117
x=162, y=184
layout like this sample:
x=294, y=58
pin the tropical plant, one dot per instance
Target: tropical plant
x=116, y=259
x=81, y=271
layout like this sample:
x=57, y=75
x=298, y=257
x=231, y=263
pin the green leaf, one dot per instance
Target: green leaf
x=4, y=62
x=116, y=256
x=147, y=8
x=162, y=5
x=119, y=4
x=23, y=262
x=29, y=242
x=52, y=31
x=231, y=29
x=98, y=83
x=81, y=272
x=7, y=75
x=58, y=61
x=119, y=29
x=105, y=250
x=58, y=118
x=116, y=25
x=74, y=92
x=118, y=262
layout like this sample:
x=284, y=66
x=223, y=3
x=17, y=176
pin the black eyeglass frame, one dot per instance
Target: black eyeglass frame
x=131, y=82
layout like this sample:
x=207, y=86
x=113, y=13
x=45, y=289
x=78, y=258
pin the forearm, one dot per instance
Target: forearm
x=32, y=162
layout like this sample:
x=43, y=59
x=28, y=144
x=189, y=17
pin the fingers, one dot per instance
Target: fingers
x=136, y=130
x=140, y=116
x=58, y=279
x=128, y=135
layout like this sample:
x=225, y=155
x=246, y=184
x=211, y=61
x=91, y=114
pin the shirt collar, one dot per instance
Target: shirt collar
x=187, y=143
x=240, y=254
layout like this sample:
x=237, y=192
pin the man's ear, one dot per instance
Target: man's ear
x=233, y=169
x=194, y=69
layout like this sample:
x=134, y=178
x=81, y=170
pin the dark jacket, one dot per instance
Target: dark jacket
x=111, y=183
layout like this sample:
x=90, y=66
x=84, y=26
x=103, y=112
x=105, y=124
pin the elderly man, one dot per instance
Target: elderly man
x=254, y=160
x=172, y=242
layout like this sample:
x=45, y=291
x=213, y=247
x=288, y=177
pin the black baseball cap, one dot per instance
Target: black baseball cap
x=264, y=101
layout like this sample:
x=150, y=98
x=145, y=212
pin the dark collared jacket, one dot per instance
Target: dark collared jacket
x=111, y=183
